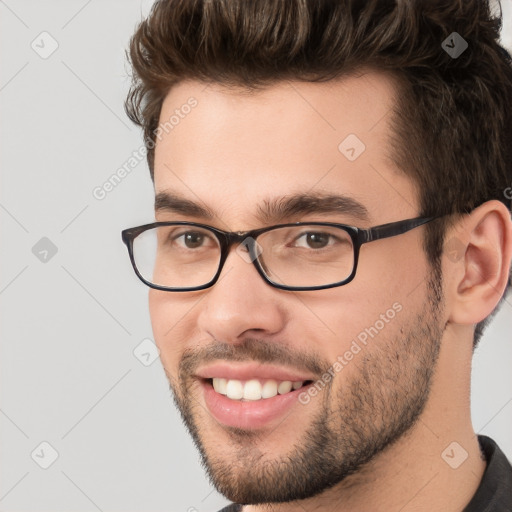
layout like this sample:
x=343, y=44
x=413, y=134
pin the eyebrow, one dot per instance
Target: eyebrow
x=272, y=210
x=280, y=209
x=167, y=202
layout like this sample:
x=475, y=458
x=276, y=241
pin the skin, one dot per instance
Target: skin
x=234, y=151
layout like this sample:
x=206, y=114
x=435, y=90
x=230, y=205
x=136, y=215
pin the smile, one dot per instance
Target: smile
x=254, y=389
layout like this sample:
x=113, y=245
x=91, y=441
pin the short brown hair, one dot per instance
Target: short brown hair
x=452, y=125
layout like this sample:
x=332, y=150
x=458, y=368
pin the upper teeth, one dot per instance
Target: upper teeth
x=253, y=389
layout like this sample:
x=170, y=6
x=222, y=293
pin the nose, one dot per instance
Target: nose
x=241, y=303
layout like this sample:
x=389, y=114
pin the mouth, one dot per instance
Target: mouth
x=251, y=396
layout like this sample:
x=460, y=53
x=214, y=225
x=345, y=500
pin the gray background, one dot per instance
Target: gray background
x=72, y=320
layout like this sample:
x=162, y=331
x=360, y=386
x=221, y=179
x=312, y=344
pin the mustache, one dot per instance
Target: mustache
x=251, y=350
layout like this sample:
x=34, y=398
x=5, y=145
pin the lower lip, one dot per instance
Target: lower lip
x=248, y=414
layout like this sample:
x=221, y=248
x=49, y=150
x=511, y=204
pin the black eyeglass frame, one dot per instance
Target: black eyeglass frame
x=227, y=239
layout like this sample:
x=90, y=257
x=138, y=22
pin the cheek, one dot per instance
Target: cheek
x=386, y=291
x=157, y=312
x=171, y=320
x=390, y=270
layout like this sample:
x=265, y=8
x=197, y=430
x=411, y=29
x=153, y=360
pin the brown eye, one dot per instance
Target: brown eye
x=193, y=240
x=313, y=240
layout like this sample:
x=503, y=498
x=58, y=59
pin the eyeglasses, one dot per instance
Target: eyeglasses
x=187, y=256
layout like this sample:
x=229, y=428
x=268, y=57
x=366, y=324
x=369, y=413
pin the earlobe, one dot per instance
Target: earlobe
x=484, y=264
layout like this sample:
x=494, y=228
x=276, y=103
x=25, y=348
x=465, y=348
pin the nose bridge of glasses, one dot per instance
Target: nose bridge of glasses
x=244, y=244
x=242, y=240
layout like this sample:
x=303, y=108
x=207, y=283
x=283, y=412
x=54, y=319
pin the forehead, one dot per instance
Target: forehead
x=234, y=149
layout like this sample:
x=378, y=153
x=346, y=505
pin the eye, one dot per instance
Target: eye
x=314, y=240
x=193, y=239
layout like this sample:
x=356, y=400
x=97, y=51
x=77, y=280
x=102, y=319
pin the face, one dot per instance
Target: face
x=358, y=358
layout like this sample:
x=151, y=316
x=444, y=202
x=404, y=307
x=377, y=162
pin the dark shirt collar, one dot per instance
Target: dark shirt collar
x=494, y=494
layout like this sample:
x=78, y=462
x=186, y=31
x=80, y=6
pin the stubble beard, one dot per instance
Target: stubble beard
x=370, y=411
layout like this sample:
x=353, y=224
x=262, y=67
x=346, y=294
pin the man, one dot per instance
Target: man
x=332, y=234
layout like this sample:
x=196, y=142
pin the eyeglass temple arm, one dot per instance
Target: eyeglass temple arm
x=392, y=229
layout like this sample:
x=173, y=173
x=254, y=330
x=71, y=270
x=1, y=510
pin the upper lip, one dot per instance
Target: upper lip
x=249, y=371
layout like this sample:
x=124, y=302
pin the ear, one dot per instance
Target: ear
x=477, y=258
